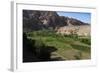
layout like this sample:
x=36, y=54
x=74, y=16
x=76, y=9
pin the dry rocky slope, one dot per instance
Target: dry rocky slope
x=37, y=20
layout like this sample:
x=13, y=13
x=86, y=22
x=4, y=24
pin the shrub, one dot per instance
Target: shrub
x=86, y=40
x=74, y=36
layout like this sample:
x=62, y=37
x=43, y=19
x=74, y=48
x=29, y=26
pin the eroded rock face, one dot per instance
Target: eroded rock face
x=37, y=20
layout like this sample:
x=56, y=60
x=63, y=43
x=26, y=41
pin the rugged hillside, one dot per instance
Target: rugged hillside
x=36, y=20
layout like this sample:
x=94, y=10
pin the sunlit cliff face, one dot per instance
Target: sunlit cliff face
x=83, y=30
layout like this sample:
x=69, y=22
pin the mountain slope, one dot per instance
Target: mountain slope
x=37, y=20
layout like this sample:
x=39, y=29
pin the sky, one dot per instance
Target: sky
x=84, y=17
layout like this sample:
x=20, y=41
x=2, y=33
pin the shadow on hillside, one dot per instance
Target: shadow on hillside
x=31, y=53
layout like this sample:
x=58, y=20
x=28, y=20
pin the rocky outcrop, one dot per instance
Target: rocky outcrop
x=37, y=20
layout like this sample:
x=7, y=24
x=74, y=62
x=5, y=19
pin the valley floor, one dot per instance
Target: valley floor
x=69, y=47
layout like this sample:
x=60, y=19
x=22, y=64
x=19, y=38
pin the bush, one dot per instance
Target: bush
x=74, y=36
x=86, y=40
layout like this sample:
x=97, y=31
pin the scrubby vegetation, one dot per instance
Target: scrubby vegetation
x=86, y=40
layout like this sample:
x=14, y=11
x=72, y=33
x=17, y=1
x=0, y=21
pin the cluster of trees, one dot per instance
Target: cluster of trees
x=86, y=40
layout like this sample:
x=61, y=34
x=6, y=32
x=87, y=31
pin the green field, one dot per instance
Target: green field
x=69, y=47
